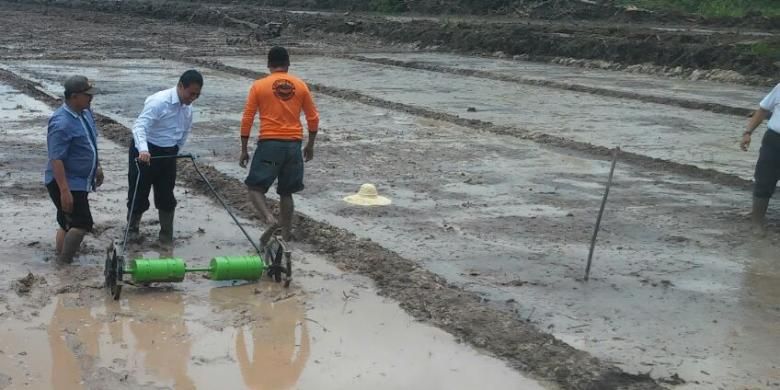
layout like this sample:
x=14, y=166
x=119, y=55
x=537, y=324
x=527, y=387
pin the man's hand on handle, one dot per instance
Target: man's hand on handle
x=144, y=157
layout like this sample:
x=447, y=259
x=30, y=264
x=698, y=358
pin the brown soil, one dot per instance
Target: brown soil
x=625, y=43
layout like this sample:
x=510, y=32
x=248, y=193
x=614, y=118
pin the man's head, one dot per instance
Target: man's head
x=278, y=59
x=78, y=92
x=190, y=84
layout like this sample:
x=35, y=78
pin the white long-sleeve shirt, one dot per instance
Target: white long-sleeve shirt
x=164, y=121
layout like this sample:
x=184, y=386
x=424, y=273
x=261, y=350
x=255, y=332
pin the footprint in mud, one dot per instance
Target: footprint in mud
x=25, y=285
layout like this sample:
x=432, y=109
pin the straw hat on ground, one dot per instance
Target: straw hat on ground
x=368, y=196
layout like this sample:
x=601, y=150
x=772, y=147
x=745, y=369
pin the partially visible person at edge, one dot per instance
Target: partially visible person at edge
x=73, y=170
x=767, y=170
x=161, y=129
x=280, y=98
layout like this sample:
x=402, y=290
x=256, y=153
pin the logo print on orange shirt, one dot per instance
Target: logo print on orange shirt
x=284, y=89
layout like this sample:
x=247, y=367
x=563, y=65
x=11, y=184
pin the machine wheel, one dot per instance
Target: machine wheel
x=288, y=270
x=113, y=271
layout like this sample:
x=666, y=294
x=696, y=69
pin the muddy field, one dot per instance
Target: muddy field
x=472, y=278
x=679, y=50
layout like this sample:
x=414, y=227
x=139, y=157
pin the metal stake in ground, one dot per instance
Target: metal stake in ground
x=601, y=212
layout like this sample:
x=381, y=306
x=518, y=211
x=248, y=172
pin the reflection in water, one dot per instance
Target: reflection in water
x=761, y=302
x=147, y=335
x=762, y=276
x=162, y=335
x=72, y=329
x=279, y=342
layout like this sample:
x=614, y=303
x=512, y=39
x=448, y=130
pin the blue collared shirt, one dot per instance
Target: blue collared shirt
x=72, y=138
x=164, y=122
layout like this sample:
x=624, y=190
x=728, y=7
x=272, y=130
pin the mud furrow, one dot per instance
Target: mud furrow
x=424, y=295
x=684, y=103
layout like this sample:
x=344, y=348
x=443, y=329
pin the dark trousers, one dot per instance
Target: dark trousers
x=768, y=165
x=160, y=174
x=80, y=217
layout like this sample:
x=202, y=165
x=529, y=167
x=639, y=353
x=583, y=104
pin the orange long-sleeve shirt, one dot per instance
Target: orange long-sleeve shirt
x=280, y=97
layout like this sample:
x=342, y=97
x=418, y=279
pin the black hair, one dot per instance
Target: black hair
x=191, y=76
x=278, y=57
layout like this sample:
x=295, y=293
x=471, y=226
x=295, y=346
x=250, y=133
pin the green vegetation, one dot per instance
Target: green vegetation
x=766, y=49
x=711, y=8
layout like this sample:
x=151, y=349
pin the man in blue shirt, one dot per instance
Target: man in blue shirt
x=161, y=130
x=73, y=169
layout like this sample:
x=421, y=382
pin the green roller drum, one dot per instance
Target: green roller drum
x=236, y=268
x=173, y=269
x=157, y=270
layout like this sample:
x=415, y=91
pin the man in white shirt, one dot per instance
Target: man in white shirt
x=161, y=130
x=768, y=166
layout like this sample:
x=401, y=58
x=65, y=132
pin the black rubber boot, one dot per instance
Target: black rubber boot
x=71, y=245
x=166, y=226
x=134, y=222
x=760, y=206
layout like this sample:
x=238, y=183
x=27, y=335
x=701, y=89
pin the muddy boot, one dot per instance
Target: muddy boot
x=71, y=245
x=135, y=222
x=758, y=216
x=286, y=207
x=166, y=227
x=267, y=234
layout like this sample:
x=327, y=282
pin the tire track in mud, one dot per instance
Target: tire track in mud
x=423, y=294
x=587, y=149
x=684, y=103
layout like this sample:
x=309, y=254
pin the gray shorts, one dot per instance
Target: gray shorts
x=282, y=160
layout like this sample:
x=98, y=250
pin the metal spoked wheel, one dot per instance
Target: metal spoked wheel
x=277, y=266
x=113, y=271
x=287, y=270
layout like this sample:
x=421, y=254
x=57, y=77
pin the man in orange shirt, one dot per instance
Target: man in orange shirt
x=280, y=97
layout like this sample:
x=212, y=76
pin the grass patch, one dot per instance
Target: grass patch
x=769, y=50
x=711, y=8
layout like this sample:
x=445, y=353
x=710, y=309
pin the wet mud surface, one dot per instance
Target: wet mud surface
x=429, y=297
x=60, y=330
x=720, y=98
x=469, y=211
x=591, y=150
x=493, y=255
x=605, y=122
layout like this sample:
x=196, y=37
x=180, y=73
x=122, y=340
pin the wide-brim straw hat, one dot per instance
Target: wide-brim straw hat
x=368, y=196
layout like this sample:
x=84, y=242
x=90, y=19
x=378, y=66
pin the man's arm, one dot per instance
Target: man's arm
x=758, y=117
x=58, y=145
x=183, y=140
x=312, y=123
x=766, y=107
x=99, y=171
x=143, y=123
x=248, y=118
